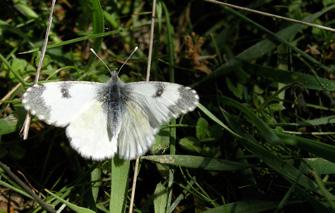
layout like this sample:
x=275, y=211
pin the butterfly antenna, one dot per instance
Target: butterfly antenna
x=131, y=54
x=92, y=50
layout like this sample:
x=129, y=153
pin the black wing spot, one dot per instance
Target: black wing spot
x=159, y=90
x=65, y=90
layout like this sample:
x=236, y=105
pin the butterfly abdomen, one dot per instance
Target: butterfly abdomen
x=113, y=106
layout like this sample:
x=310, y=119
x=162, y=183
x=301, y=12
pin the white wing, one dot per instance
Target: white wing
x=148, y=105
x=88, y=133
x=57, y=103
x=136, y=134
x=74, y=104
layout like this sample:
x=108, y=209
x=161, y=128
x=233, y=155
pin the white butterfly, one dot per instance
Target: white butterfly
x=103, y=119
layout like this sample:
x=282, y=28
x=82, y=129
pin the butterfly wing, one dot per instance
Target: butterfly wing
x=136, y=135
x=77, y=105
x=88, y=133
x=148, y=105
x=57, y=103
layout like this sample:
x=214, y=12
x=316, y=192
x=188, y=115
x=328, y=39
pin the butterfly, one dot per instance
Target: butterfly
x=105, y=119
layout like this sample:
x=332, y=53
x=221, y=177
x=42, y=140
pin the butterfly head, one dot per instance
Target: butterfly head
x=115, y=73
x=114, y=76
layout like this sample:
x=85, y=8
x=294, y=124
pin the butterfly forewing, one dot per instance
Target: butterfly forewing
x=57, y=103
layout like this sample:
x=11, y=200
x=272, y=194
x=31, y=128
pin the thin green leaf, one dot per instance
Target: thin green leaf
x=96, y=182
x=119, y=185
x=286, y=170
x=160, y=198
x=98, y=21
x=265, y=131
x=70, y=205
x=112, y=19
x=75, y=40
x=304, y=80
x=324, y=150
x=202, y=129
x=25, y=10
x=190, y=144
x=319, y=121
x=197, y=162
x=320, y=166
x=14, y=188
x=215, y=119
x=15, y=73
x=7, y=125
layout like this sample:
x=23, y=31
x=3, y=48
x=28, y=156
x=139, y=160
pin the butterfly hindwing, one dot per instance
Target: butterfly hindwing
x=57, y=103
x=136, y=135
x=88, y=133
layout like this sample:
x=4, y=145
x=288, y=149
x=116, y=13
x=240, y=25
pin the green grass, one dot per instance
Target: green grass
x=262, y=139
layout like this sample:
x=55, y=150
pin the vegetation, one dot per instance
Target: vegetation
x=262, y=139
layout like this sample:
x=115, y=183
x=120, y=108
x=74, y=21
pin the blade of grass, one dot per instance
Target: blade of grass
x=7, y=125
x=75, y=40
x=119, y=185
x=324, y=191
x=15, y=189
x=266, y=132
x=324, y=150
x=195, y=188
x=312, y=122
x=305, y=80
x=320, y=166
x=96, y=182
x=197, y=162
x=216, y=119
x=16, y=74
x=160, y=198
x=97, y=22
x=71, y=205
x=261, y=48
x=283, y=168
x=25, y=10
x=288, y=171
x=186, y=191
x=171, y=60
x=86, y=36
